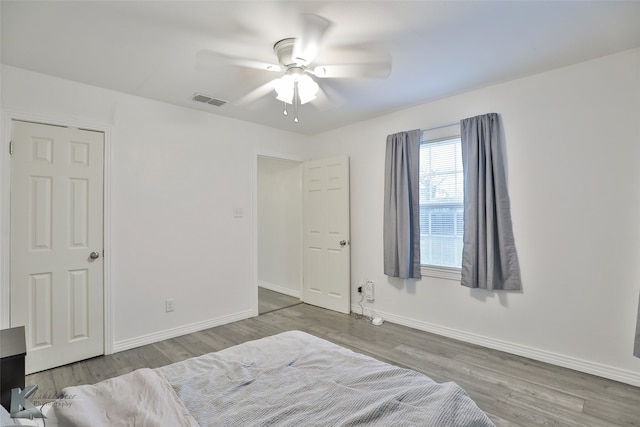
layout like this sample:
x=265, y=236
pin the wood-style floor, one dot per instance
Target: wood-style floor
x=512, y=390
x=269, y=300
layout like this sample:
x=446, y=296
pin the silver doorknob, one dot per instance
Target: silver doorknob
x=94, y=255
x=343, y=242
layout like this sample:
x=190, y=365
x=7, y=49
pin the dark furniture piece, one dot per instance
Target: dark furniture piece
x=13, y=349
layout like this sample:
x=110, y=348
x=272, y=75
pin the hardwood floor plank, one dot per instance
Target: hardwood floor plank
x=172, y=349
x=613, y=411
x=550, y=382
x=129, y=360
x=269, y=300
x=548, y=413
x=213, y=340
x=196, y=343
x=520, y=382
x=152, y=357
x=219, y=338
x=46, y=387
x=73, y=374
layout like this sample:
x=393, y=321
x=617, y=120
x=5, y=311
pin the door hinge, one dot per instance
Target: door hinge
x=10, y=147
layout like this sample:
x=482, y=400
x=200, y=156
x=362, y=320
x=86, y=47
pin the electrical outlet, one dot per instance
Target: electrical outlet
x=169, y=305
x=368, y=291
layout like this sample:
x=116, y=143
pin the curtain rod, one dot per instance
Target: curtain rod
x=441, y=126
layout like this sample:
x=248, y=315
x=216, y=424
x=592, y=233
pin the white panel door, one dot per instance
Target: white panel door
x=56, y=242
x=326, y=258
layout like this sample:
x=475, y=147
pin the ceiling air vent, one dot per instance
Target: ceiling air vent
x=198, y=97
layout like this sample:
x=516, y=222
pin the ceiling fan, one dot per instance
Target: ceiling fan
x=295, y=58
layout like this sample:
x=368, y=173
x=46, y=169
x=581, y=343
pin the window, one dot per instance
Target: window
x=441, y=204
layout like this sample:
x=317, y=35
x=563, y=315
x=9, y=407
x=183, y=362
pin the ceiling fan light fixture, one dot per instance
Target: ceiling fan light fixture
x=285, y=87
x=307, y=89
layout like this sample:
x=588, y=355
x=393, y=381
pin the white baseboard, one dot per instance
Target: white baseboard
x=280, y=289
x=176, y=332
x=570, y=362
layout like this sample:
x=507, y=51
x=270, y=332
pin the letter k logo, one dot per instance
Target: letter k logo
x=21, y=407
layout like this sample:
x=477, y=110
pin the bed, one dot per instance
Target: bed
x=289, y=379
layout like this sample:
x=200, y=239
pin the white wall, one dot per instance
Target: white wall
x=279, y=225
x=176, y=175
x=573, y=146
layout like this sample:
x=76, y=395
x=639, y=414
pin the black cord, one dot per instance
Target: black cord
x=361, y=315
x=44, y=423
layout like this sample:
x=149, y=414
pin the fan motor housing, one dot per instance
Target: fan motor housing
x=284, y=52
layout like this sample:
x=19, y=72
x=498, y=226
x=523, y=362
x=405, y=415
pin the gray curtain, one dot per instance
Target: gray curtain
x=489, y=258
x=401, y=229
x=636, y=347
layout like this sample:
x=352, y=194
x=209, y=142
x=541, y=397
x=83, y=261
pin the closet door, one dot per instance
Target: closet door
x=57, y=242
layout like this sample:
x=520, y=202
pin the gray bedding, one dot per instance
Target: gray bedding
x=296, y=379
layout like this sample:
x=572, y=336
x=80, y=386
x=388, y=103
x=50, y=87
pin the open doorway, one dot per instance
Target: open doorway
x=279, y=233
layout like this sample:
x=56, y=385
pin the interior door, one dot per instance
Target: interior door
x=326, y=258
x=56, y=242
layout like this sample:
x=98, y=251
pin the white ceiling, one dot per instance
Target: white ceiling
x=438, y=48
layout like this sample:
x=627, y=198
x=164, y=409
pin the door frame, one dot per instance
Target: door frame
x=8, y=116
x=254, y=208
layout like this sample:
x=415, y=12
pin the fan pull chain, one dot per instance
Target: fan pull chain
x=285, y=110
x=296, y=101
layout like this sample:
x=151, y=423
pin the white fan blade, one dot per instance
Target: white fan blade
x=258, y=93
x=208, y=58
x=306, y=46
x=379, y=70
x=322, y=101
x=327, y=97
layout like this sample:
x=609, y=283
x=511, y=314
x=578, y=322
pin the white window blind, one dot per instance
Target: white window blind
x=441, y=203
